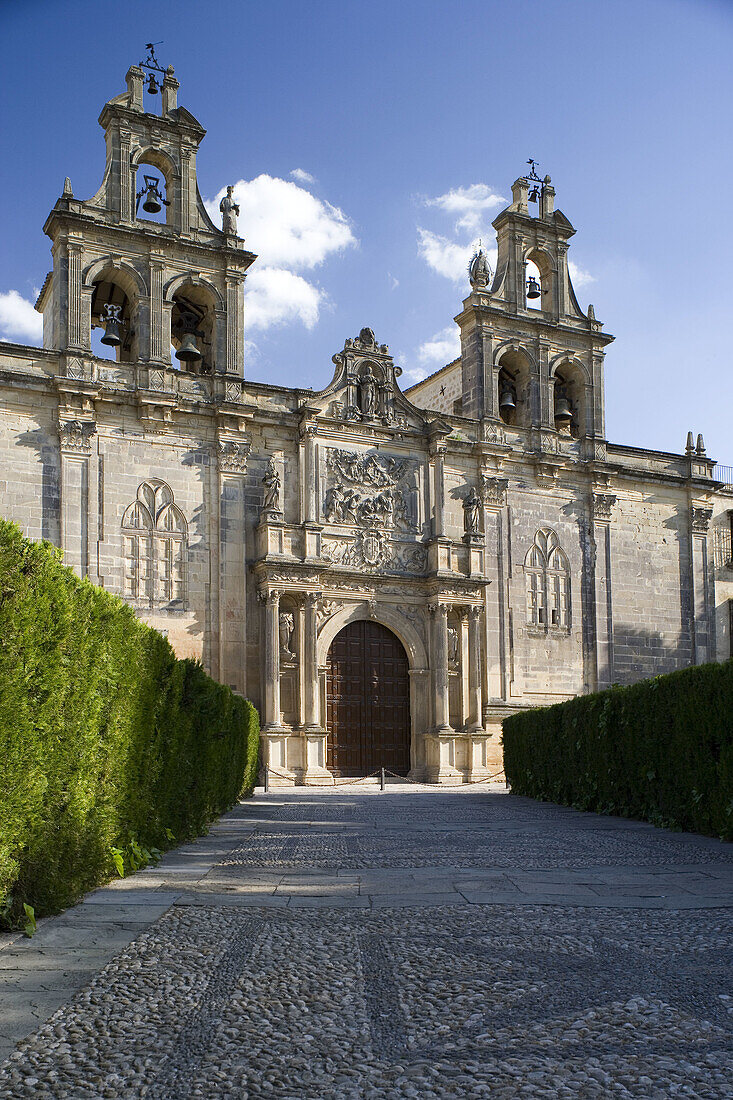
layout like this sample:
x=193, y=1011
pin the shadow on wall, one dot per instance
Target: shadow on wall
x=643, y=654
x=199, y=558
x=47, y=450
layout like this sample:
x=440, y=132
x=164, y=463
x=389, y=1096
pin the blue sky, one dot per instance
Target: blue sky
x=371, y=144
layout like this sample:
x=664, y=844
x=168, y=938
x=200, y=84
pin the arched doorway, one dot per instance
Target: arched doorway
x=367, y=701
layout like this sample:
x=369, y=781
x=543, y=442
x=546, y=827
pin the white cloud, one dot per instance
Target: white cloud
x=442, y=348
x=302, y=176
x=290, y=230
x=276, y=296
x=286, y=225
x=18, y=318
x=393, y=283
x=579, y=276
x=469, y=203
x=447, y=257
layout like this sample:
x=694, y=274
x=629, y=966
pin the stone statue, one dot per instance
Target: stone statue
x=368, y=392
x=334, y=505
x=287, y=627
x=471, y=511
x=272, y=484
x=453, y=646
x=230, y=211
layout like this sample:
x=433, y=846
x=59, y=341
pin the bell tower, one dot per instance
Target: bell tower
x=530, y=356
x=141, y=260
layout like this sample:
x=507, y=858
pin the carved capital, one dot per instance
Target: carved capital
x=493, y=490
x=76, y=436
x=233, y=455
x=311, y=600
x=475, y=611
x=700, y=520
x=440, y=610
x=602, y=506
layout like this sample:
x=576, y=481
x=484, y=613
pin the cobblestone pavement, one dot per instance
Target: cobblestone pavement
x=412, y=943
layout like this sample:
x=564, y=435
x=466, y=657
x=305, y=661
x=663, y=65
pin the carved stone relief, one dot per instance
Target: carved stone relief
x=287, y=629
x=233, y=455
x=76, y=435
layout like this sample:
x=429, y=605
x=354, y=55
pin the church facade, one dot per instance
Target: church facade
x=386, y=574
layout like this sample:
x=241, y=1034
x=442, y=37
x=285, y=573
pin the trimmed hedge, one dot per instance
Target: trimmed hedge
x=660, y=750
x=106, y=740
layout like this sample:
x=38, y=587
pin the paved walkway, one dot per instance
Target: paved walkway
x=413, y=943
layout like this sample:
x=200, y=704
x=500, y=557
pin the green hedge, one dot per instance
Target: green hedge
x=660, y=750
x=106, y=740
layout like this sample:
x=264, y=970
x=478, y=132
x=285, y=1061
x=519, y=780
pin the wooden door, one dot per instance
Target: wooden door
x=367, y=701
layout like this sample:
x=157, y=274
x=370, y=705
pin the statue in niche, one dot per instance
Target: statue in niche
x=229, y=211
x=471, y=511
x=368, y=392
x=272, y=484
x=453, y=646
x=287, y=628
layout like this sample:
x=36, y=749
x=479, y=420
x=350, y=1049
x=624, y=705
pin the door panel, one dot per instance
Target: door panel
x=367, y=701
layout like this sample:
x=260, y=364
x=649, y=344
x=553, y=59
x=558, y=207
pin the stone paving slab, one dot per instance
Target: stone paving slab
x=411, y=943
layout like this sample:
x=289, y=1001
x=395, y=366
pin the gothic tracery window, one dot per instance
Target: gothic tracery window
x=547, y=575
x=154, y=531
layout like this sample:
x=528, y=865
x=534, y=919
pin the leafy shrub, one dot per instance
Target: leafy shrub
x=105, y=738
x=660, y=750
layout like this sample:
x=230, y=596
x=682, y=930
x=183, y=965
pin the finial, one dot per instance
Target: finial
x=591, y=312
x=700, y=445
x=690, y=445
x=68, y=193
x=479, y=270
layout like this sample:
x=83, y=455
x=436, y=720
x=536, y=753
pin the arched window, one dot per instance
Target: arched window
x=154, y=530
x=547, y=575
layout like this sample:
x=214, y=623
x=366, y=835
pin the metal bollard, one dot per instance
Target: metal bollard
x=381, y=780
x=267, y=778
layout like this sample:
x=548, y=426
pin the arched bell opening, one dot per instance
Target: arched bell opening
x=569, y=400
x=154, y=175
x=537, y=280
x=514, y=389
x=193, y=329
x=114, y=317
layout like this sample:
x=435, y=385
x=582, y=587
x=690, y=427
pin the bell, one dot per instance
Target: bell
x=533, y=287
x=188, y=352
x=152, y=86
x=112, y=327
x=507, y=404
x=563, y=411
x=152, y=203
x=534, y=195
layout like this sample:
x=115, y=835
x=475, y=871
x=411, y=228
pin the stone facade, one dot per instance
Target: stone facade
x=519, y=557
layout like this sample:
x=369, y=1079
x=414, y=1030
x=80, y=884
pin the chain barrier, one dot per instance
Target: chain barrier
x=381, y=774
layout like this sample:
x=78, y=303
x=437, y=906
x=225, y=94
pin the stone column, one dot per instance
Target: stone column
x=440, y=667
x=156, y=313
x=310, y=662
x=126, y=190
x=75, y=438
x=602, y=597
x=75, y=252
x=701, y=596
x=439, y=491
x=474, y=670
x=273, y=719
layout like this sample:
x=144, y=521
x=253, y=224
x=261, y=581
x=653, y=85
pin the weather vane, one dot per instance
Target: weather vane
x=151, y=64
x=534, y=195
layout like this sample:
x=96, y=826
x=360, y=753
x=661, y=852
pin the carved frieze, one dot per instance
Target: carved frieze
x=372, y=549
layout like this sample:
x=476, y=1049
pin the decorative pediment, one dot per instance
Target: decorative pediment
x=364, y=390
